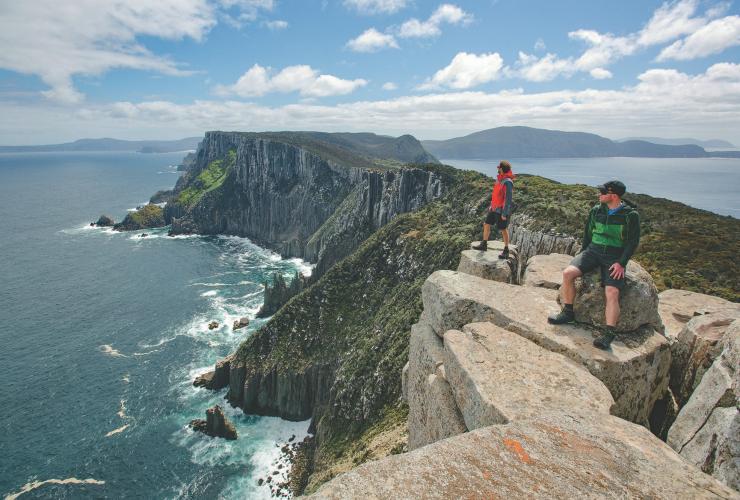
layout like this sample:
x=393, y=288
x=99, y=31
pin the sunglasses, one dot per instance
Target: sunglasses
x=604, y=191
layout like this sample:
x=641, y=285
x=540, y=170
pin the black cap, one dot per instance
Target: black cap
x=615, y=187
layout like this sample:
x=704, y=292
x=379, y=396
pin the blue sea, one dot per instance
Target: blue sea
x=707, y=183
x=102, y=333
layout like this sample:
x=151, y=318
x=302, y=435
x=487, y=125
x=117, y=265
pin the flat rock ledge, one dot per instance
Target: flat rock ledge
x=635, y=370
x=678, y=307
x=487, y=264
x=553, y=456
x=546, y=271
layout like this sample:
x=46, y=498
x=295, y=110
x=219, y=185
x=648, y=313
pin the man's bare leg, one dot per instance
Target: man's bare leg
x=483, y=245
x=567, y=296
x=612, y=317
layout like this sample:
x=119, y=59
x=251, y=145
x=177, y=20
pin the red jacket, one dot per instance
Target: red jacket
x=498, y=196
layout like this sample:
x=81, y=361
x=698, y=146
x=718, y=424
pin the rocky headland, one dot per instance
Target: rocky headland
x=381, y=234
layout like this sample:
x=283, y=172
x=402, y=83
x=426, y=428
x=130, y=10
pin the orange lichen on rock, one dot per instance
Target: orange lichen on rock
x=517, y=448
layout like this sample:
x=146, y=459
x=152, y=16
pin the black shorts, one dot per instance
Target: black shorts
x=591, y=258
x=494, y=218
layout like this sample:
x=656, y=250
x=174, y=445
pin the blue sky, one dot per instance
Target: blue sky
x=172, y=68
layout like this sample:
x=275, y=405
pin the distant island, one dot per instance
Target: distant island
x=107, y=144
x=527, y=142
x=712, y=143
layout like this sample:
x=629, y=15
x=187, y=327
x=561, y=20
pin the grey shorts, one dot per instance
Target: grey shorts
x=591, y=258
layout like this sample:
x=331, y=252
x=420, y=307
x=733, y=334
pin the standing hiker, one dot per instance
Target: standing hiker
x=499, y=213
x=611, y=237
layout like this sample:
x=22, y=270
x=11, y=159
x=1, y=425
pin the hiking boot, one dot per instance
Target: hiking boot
x=604, y=340
x=504, y=254
x=563, y=317
x=483, y=245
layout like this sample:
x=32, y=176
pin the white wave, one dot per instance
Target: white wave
x=38, y=484
x=210, y=284
x=108, y=349
x=126, y=379
x=210, y=293
x=118, y=431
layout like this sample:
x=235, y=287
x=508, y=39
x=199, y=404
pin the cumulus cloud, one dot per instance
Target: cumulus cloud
x=445, y=14
x=389, y=86
x=662, y=101
x=540, y=44
x=244, y=10
x=59, y=40
x=713, y=38
x=668, y=22
x=258, y=81
x=372, y=40
x=466, y=71
x=376, y=6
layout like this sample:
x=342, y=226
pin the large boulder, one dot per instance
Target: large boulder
x=635, y=370
x=695, y=349
x=433, y=413
x=677, y=307
x=546, y=270
x=498, y=376
x=638, y=300
x=554, y=456
x=105, y=221
x=487, y=264
x=216, y=379
x=707, y=430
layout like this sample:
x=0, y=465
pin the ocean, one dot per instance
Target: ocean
x=707, y=183
x=102, y=334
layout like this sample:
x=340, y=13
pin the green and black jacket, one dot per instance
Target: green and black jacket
x=612, y=233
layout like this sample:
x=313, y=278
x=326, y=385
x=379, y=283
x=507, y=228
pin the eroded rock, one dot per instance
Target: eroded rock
x=486, y=264
x=635, y=369
x=554, y=456
x=498, y=376
x=240, y=323
x=677, y=307
x=546, y=271
x=638, y=300
x=215, y=425
x=105, y=221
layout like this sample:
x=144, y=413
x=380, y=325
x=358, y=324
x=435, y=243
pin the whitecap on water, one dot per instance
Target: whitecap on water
x=38, y=484
x=110, y=351
x=210, y=293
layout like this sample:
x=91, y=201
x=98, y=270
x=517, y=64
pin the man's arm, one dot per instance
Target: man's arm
x=587, y=230
x=632, y=238
x=509, y=186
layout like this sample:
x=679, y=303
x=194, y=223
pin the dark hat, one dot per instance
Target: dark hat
x=615, y=187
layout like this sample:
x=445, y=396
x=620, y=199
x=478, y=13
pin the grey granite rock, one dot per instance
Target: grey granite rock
x=635, y=369
x=487, y=264
x=554, y=456
x=677, y=307
x=498, y=376
x=546, y=271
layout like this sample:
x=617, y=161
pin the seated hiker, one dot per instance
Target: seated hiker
x=611, y=237
x=499, y=212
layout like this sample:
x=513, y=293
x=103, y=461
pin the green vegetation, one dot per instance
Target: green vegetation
x=210, y=178
x=146, y=217
x=356, y=319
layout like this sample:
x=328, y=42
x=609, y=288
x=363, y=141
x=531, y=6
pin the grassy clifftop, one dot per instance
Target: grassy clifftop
x=356, y=319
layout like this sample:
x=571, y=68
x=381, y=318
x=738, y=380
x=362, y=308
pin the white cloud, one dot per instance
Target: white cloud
x=57, y=41
x=713, y=38
x=539, y=44
x=466, y=71
x=541, y=69
x=247, y=10
x=389, y=86
x=601, y=73
x=376, y=6
x=276, y=24
x=372, y=40
x=258, y=81
x=662, y=102
x=445, y=14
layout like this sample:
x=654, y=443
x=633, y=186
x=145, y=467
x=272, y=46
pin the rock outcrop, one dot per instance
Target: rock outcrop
x=240, y=323
x=677, y=307
x=278, y=292
x=553, y=456
x=146, y=217
x=707, y=430
x=531, y=242
x=216, y=379
x=487, y=265
x=546, y=271
x=105, y=221
x=215, y=425
x=635, y=370
x=303, y=195
x=638, y=300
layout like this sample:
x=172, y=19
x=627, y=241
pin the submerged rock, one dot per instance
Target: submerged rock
x=213, y=325
x=215, y=425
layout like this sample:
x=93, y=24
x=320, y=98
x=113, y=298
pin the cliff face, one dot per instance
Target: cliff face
x=301, y=197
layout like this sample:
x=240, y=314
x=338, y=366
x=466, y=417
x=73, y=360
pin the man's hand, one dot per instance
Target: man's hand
x=503, y=217
x=616, y=271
